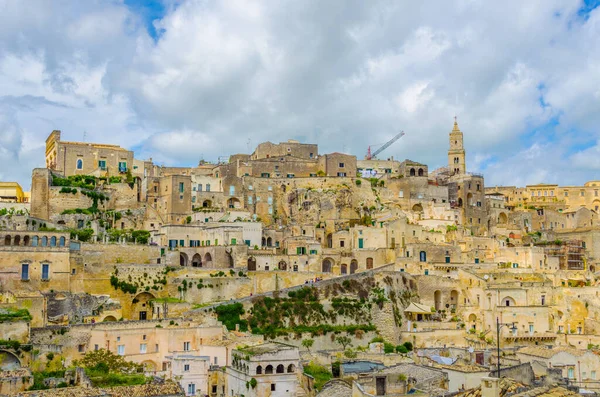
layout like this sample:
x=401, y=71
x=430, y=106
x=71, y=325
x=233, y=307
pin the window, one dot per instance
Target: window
x=79, y=164
x=186, y=368
x=593, y=375
x=272, y=386
x=341, y=174
x=341, y=165
x=582, y=193
x=265, y=175
x=250, y=200
x=290, y=175
x=199, y=187
x=191, y=389
x=143, y=348
x=122, y=166
x=45, y=271
x=232, y=190
x=310, y=155
x=401, y=194
x=181, y=185
x=566, y=194
x=81, y=348
x=102, y=165
x=121, y=350
x=25, y=271
x=208, y=187
x=186, y=346
x=96, y=347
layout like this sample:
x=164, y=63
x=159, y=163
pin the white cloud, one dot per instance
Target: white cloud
x=336, y=73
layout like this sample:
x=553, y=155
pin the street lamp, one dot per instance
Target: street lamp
x=499, y=325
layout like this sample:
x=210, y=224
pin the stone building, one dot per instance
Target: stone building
x=81, y=158
x=273, y=366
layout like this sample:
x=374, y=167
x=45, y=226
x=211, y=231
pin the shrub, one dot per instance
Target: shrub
x=401, y=349
x=388, y=347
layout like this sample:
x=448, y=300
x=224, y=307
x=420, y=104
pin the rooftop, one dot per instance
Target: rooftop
x=547, y=353
x=169, y=388
x=507, y=386
x=264, y=348
x=547, y=391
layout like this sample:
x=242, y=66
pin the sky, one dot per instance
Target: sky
x=183, y=80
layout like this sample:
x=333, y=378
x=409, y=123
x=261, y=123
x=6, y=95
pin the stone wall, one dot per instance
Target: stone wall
x=15, y=330
x=522, y=373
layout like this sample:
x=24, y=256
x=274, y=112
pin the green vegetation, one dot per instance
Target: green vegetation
x=39, y=377
x=308, y=343
x=12, y=314
x=123, y=285
x=451, y=228
x=105, y=368
x=130, y=235
x=11, y=212
x=82, y=234
x=82, y=181
x=321, y=374
x=229, y=315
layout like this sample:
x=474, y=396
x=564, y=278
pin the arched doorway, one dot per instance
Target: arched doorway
x=327, y=265
x=9, y=361
x=502, y=218
x=417, y=208
x=233, y=203
x=207, y=204
x=344, y=269
x=229, y=259
x=149, y=366
x=7, y=240
x=422, y=256
x=460, y=202
x=197, y=260
x=353, y=266
x=507, y=301
x=282, y=265
x=420, y=171
x=109, y=319
x=183, y=259
x=17, y=240
x=251, y=264
x=141, y=308
x=454, y=299
x=412, y=172
x=264, y=242
x=369, y=263
x=437, y=299
x=208, y=260
x=592, y=268
x=329, y=240
x=26, y=241
x=269, y=242
x=472, y=321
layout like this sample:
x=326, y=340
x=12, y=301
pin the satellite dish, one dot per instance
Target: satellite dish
x=486, y=277
x=471, y=350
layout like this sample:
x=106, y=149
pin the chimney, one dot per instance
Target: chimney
x=490, y=387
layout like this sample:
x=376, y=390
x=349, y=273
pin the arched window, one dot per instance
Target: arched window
x=412, y=172
x=44, y=241
x=259, y=370
x=291, y=368
x=269, y=370
x=280, y=369
x=17, y=240
x=7, y=240
x=79, y=164
x=53, y=241
x=423, y=256
x=61, y=242
x=420, y=171
x=34, y=241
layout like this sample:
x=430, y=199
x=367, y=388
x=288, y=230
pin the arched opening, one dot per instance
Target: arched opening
x=62, y=241
x=422, y=256
x=269, y=369
x=420, y=171
x=17, y=240
x=233, y=203
x=264, y=242
x=472, y=321
x=329, y=240
x=437, y=299
x=259, y=370
x=61, y=222
x=26, y=241
x=197, y=260
x=470, y=199
x=251, y=264
x=282, y=265
x=229, y=259
x=141, y=309
x=453, y=299
x=53, y=241
x=327, y=265
x=369, y=263
x=507, y=301
x=502, y=218
x=269, y=242
x=592, y=268
x=44, y=241
x=79, y=164
x=280, y=369
x=291, y=368
x=183, y=259
x=344, y=269
x=207, y=204
x=35, y=241
x=7, y=240
x=9, y=361
x=353, y=266
x=149, y=366
x=412, y=172
x=208, y=259
x=460, y=202
x=109, y=319
x=417, y=208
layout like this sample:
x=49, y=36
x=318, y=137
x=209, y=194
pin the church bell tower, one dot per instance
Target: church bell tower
x=456, y=153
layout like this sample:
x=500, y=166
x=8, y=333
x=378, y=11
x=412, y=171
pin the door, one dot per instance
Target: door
x=142, y=315
x=479, y=358
x=360, y=243
x=380, y=386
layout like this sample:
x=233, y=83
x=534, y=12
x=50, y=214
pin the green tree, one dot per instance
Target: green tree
x=344, y=341
x=308, y=343
x=107, y=361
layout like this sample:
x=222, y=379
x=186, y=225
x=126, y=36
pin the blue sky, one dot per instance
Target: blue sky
x=181, y=80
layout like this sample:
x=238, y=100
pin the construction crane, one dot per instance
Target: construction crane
x=371, y=156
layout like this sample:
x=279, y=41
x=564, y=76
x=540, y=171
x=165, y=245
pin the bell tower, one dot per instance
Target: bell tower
x=456, y=153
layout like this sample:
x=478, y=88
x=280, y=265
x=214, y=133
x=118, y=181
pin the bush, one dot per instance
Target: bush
x=321, y=374
x=388, y=347
x=358, y=182
x=408, y=346
x=401, y=349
